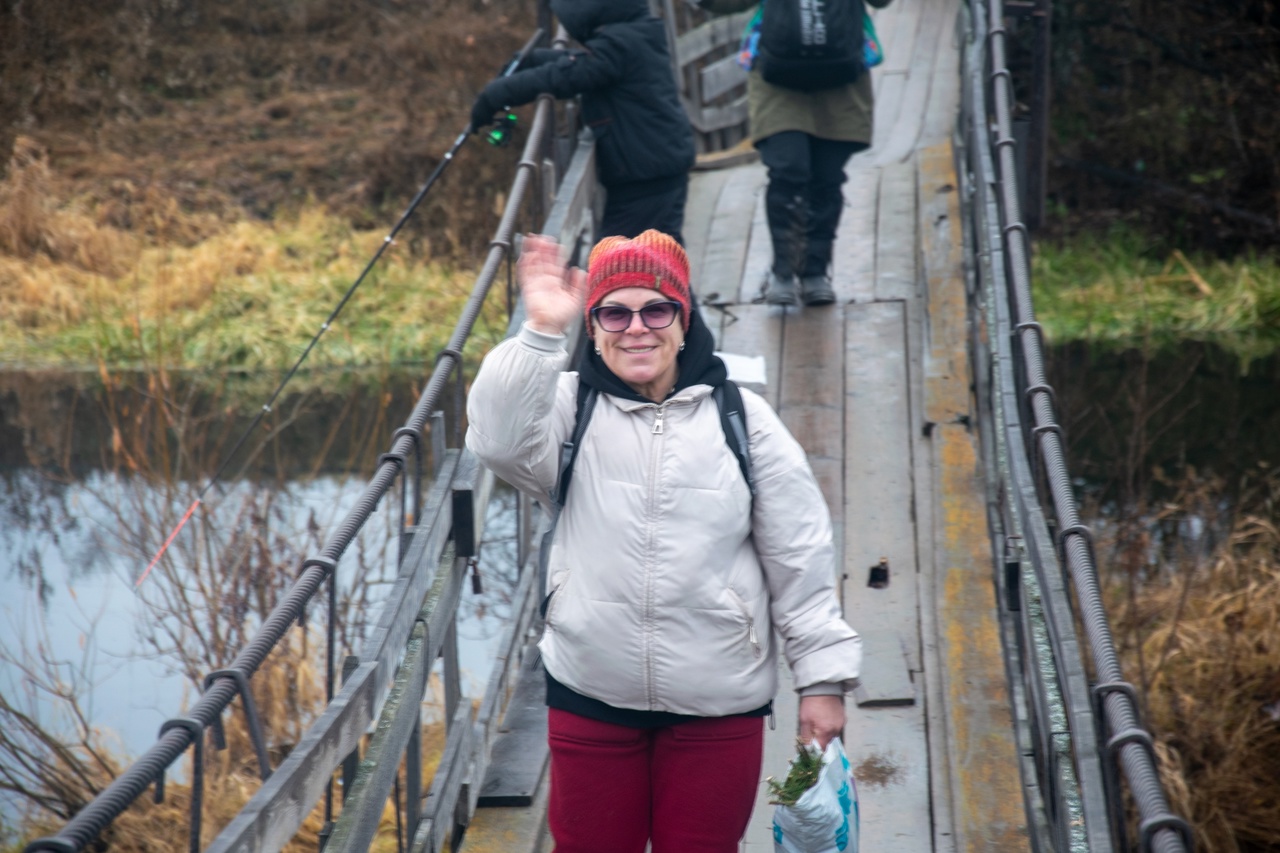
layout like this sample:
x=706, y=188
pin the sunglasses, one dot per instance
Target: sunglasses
x=655, y=315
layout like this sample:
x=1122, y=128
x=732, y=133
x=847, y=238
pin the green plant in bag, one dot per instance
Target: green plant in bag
x=805, y=769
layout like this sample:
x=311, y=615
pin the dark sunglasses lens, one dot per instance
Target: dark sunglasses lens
x=659, y=315
x=613, y=318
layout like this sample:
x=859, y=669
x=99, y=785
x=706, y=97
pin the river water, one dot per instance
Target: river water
x=95, y=471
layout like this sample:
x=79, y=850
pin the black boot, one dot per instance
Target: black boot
x=815, y=283
x=787, y=223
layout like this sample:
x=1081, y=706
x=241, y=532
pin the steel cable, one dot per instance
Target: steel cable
x=1159, y=828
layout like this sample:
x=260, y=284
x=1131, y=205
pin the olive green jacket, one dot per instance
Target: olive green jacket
x=843, y=113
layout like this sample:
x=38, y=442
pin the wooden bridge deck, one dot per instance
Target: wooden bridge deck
x=877, y=389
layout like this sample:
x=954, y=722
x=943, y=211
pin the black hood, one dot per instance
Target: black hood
x=583, y=17
x=699, y=365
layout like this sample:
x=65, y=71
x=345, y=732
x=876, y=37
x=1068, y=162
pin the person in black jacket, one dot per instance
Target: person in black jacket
x=644, y=143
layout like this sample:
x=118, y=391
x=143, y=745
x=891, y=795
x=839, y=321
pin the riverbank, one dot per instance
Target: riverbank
x=1119, y=290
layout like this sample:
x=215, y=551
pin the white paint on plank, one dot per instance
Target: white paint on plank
x=888, y=103
x=759, y=258
x=853, y=266
x=899, y=55
x=896, y=233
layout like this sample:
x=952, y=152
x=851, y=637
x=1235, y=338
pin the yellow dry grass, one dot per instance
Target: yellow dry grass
x=1209, y=659
x=75, y=291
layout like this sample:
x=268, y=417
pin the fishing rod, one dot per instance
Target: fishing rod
x=499, y=135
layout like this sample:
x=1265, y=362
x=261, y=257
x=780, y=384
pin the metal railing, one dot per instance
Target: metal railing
x=554, y=184
x=1079, y=737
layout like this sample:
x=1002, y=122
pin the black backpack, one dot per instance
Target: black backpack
x=811, y=44
x=733, y=420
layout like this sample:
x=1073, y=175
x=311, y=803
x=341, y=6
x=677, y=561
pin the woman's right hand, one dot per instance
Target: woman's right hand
x=553, y=294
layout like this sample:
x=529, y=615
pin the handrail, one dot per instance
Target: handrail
x=1082, y=802
x=271, y=819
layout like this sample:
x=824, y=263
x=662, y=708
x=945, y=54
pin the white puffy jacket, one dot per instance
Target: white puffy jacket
x=667, y=579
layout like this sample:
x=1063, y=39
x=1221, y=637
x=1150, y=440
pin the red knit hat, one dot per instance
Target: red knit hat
x=652, y=259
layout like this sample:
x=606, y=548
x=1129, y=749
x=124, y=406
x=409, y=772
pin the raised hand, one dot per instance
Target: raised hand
x=553, y=294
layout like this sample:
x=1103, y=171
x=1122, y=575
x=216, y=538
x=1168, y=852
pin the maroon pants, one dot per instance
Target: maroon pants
x=689, y=788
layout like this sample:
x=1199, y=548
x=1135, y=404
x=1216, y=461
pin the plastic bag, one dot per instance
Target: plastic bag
x=825, y=818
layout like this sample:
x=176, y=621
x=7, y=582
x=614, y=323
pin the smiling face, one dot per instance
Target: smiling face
x=643, y=358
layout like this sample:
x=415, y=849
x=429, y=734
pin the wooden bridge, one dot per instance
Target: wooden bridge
x=920, y=398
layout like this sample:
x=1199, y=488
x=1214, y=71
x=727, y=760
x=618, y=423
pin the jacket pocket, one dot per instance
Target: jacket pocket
x=551, y=604
x=749, y=619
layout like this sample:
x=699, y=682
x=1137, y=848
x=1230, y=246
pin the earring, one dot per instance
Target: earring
x=682, y=343
x=597, y=350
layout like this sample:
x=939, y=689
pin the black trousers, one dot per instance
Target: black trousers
x=803, y=200
x=632, y=208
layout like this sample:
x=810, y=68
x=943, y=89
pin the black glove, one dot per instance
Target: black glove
x=482, y=110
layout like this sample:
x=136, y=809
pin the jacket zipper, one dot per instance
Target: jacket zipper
x=654, y=467
x=751, y=622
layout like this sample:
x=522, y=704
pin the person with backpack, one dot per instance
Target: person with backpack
x=810, y=105
x=644, y=142
x=687, y=532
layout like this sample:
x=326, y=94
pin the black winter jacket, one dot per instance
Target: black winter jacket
x=629, y=97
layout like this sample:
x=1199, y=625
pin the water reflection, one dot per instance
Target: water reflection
x=95, y=471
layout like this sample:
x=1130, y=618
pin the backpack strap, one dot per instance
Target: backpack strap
x=568, y=455
x=569, y=449
x=733, y=420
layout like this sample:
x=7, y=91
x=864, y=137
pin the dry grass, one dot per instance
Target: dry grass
x=1200, y=633
x=75, y=291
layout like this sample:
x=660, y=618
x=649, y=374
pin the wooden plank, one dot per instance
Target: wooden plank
x=520, y=752
x=699, y=206
x=896, y=233
x=853, y=266
x=704, y=38
x=720, y=77
x=730, y=230
x=986, y=783
x=888, y=104
x=886, y=22
x=947, y=398
x=889, y=753
x=577, y=190
x=707, y=119
x=812, y=397
x=942, y=112
x=440, y=804
x=886, y=674
x=756, y=330
x=899, y=54
x=273, y=814
x=779, y=749
x=514, y=829
x=905, y=132
x=879, y=488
